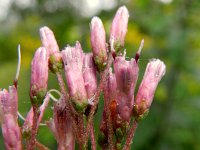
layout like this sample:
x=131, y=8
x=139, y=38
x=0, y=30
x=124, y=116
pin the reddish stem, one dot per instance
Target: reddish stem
x=92, y=137
x=41, y=146
x=96, y=99
x=70, y=109
x=32, y=141
x=130, y=136
x=109, y=125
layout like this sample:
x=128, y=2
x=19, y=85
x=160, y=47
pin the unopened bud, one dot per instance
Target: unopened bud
x=155, y=70
x=119, y=28
x=39, y=76
x=50, y=43
x=73, y=64
x=98, y=43
x=126, y=76
x=8, y=111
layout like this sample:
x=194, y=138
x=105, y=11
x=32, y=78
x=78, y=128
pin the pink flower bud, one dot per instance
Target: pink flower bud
x=119, y=27
x=98, y=42
x=50, y=43
x=73, y=64
x=126, y=75
x=89, y=75
x=11, y=133
x=39, y=76
x=155, y=70
x=8, y=110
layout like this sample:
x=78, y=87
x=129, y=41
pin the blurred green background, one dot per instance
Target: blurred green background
x=171, y=30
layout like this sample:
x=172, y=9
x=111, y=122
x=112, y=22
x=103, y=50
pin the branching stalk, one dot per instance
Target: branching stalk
x=70, y=110
x=96, y=98
x=130, y=136
x=109, y=125
x=32, y=142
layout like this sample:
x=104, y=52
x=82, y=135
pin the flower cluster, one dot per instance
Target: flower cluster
x=73, y=112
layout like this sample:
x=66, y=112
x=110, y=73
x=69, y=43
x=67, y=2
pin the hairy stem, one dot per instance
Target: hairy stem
x=31, y=143
x=81, y=130
x=70, y=109
x=109, y=125
x=96, y=98
x=92, y=137
x=130, y=136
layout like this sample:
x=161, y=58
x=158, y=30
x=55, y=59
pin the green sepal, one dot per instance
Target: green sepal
x=135, y=111
x=119, y=146
x=117, y=46
x=55, y=65
x=102, y=140
x=80, y=106
x=142, y=116
x=140, y=112
x=26, y=134
x=119, y=134
x=101, y=65
x=37, y=100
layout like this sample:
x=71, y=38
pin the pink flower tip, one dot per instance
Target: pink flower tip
x=48, y=40
x=126, y=74
x=119, y=28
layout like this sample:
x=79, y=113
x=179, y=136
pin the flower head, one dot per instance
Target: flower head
x=155, y=70
x=8, y=110
x=73, y=64
x=126, y=76
x=39, y=76
x=98, y=42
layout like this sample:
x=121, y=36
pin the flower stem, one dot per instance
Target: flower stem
x=70, y=109
x=41, y=146
x=130, y=136
x=31, y=143
x=96, y=98
x=92, y=137
x=109, y=125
